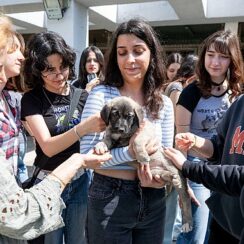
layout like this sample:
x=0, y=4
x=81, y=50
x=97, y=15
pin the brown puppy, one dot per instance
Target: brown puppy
x=122, y=116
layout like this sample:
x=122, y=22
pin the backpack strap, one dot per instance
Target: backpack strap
x=74, y=102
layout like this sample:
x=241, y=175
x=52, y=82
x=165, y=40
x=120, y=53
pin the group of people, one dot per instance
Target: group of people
x=27, y=214
x=115, y=203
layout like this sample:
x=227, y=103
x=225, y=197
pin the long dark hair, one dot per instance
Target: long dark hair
x=227, y=43
x=187, y=68
x=82, y=66
x=39, y=47
x=156, y=73
x=173, y=58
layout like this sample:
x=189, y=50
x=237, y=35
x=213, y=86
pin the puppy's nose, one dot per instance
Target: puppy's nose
x=121, y=130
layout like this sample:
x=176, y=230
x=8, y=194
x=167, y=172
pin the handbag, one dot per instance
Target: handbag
x=34, y=178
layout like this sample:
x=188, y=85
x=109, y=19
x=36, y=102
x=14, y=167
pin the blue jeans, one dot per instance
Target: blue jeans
x=75, y=214
x=171, y=204
x=121, y=211
x=178, y=223
x=22, y=169
x=200, y=214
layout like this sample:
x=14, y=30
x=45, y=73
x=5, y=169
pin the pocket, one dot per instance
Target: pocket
x=101, y=191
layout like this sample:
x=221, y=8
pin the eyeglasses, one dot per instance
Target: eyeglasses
x=54, y=75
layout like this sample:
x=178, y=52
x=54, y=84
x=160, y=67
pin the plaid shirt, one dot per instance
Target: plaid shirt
x=9, y=131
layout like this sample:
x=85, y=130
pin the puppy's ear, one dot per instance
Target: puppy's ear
x=139, y=115
x=105, y=114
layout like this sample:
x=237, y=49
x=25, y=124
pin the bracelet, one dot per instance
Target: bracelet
x=76, y=132
x=59, y=180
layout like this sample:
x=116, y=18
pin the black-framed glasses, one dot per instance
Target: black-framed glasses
x=53, y=75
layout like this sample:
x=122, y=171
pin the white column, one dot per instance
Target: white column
x=73, y=27
x=232, y=26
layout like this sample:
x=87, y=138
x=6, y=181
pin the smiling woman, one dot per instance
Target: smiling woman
x=202, y=105
x=55, y=76
x=11, y=59
x=49, y=65
x=134, y=69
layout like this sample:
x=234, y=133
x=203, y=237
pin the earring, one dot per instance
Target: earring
x=228, y=74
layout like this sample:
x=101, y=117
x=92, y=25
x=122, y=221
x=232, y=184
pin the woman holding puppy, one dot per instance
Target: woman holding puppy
x=121, y=208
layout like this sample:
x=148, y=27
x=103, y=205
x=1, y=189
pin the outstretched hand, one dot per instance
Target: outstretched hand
x=185, y=141
x=93, y=160
x=175, y=156
x=178, y=160
x=92, y=124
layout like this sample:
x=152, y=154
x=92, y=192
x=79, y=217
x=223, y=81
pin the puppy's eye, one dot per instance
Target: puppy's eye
x=115, y=113
x=130, y=116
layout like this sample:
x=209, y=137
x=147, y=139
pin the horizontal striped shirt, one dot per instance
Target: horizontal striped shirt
x=98, y=97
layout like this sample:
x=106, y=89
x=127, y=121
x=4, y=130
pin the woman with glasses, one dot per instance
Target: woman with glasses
x=49, y=65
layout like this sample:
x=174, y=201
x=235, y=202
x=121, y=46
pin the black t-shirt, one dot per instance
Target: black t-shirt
x=53, y=108
x=190, y=97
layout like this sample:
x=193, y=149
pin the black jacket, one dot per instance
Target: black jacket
x=226, y=179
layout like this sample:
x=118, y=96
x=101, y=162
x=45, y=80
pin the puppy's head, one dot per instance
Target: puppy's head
x=122, y=115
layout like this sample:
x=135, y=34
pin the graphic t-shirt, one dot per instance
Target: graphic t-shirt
x=53, y=107
x=206, y=112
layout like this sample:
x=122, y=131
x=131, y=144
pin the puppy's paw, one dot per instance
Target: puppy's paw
x=166, y=176
x=143, y=158
x=186, y=227
x=177, y=181
x=101, y=148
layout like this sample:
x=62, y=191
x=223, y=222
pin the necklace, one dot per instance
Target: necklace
x=46, y=96
x=57, y=114
x=217, y=84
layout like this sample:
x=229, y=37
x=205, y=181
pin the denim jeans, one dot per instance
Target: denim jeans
x=200, y=214
x=8, y=240
x=22, y=169
x=171, y=204
x=75, y=214
x=121, y=211
x=178, y=223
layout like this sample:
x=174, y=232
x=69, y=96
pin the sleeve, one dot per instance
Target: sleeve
x=175, y=86
x=167, y=123
x=228, y=179
x=94, y=104
x=28, y=214
x=218, y=144
x=30, y=105
x=189, y=97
